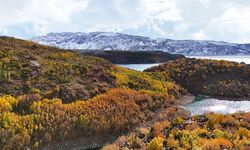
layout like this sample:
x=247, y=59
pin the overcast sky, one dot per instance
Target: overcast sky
x=226, y=20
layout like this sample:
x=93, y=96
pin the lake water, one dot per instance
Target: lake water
x=217, y=106
x=239, y=59
x=138, y=67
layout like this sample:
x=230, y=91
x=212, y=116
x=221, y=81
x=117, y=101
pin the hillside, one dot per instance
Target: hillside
x=50, y=95
x=221, y=79
x=133, y=57
x=26, y=67
x=119, y=41
x=60, y=99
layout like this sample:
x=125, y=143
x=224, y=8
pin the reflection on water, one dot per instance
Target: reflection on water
x=218, y=106
x=138, y=67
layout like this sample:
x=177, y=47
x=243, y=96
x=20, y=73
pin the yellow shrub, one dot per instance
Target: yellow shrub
x=155, y=144
x=243, y=132
x=6, y=103
x=172, y=143
x=159, y=128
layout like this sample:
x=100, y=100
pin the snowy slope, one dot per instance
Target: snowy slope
x=119, y=41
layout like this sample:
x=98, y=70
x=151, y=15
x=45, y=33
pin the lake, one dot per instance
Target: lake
x=138, y=67
x=217, y=106
x=141, y=67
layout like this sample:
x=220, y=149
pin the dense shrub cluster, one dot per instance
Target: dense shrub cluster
x=206, y=132
x=209, y=77
x=151, y=83
x=46, y=121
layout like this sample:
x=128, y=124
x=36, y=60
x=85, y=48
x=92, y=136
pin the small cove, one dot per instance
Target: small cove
x=209, y=104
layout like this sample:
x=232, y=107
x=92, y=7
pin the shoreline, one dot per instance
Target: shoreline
x=184, y=100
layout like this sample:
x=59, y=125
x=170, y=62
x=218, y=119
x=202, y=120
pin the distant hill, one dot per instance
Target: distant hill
x=223, y=79
x=133, y=57
x=119, y=41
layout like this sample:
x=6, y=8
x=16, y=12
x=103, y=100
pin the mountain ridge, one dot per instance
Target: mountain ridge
x=126, y=42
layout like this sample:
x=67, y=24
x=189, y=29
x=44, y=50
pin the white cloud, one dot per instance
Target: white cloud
x=178, y=19
x=200, y=35
x=203, y=1
x=42, y=15
x=16, y=11
x=163, y=10
x=3, y=31
x=233, y=25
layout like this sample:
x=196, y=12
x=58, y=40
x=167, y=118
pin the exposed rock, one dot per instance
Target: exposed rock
x=70, y=92
x=35, y=63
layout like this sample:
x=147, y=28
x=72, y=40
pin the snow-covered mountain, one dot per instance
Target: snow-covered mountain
x=119, y=41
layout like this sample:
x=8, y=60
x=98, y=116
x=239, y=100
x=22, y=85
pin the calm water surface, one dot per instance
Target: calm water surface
x=141, y=67
x=217, y=106
x=138, y=67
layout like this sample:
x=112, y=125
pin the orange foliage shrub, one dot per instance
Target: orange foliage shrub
x=247, y=117
x=106, y=113
x=192, y=126
x=217, y=144
x=159, y=127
